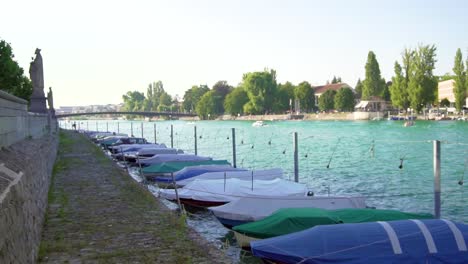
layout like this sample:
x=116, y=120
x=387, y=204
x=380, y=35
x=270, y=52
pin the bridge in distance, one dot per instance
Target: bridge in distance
x=148, y=114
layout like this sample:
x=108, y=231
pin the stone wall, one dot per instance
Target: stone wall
x=16, y=123
x=25, y=173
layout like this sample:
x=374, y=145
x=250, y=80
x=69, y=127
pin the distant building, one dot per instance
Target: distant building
x=445, y=89
x=374, y=104
x=319, y=90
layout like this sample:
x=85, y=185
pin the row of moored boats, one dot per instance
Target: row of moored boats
x=282, y=221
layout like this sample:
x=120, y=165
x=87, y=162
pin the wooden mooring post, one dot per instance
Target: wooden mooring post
x=97, y=128
x=154, y=130
x=131, y=128
x=107, y=126
x=142, y=130
x=172, y=136
x=118, y=128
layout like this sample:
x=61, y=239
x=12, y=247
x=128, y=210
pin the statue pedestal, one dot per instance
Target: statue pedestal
x=38, y=105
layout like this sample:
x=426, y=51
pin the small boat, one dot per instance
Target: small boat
x=189, y=174
x=249, y=209
x=290, y=220
x=166, y=168
x=258, y=123
x=206, y=193
x=160, y=158
x=183, y=178
x=144, y=153
x=404, y=241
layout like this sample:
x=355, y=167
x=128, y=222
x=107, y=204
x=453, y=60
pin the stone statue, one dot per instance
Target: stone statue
x=36, y=73
x=50, y=99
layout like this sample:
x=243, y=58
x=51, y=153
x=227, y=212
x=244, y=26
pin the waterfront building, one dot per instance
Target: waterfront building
x=319, y=90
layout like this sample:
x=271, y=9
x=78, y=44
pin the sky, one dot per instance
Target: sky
x=95, y=51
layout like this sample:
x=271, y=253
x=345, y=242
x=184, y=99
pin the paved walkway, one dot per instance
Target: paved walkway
x=98, y=214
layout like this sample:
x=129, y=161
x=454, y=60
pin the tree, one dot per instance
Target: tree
x=12, y=79
x=220, y=90
x=460, y=87
x=358, y=89
x=192, y=96
x=261, y=89
x=133, y=101
x=165, y=100
x=285, y=96
x=306, y=96
x=206, y=105
x=373, y=85
x=344, y=100
x=445, y=102
x=336, y=79
x=398, y=89
x=422, y=86
x=327, y=100
x=235, y=101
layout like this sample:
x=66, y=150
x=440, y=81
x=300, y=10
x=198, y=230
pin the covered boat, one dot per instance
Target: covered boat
x=160, y=158
x=188, y=174
x=184, y=178
x=144, y=153
x=290, y=220
x=404, y=241
x=249, y=209
x=205, y=193
x=166, y=168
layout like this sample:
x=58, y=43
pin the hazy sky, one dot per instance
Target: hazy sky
x=95, y=51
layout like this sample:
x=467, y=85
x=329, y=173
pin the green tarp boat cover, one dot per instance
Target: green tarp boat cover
x=290, y=220
x=173, y=166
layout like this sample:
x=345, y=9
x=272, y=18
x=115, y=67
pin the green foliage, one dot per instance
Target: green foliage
x=235, y=101
x=422, y=87
x=206, y=106
x=460, y=87
x=358, y=89
x=447, y=76
x=284, y=96
x=399, y=88
x=12, y=79
x=344, y=100
x=327, y=100
x=445, y=102
x=220, y=90
x=192, y=96
x=306, y=96
x=373, y=85
x=261, y=88
x=336, y=79
x=133, y=101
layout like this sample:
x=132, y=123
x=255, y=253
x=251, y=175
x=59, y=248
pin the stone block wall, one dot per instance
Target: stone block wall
x=16, y=123
x=25, y=173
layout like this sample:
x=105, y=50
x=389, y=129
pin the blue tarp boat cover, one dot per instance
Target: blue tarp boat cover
x=404, y=241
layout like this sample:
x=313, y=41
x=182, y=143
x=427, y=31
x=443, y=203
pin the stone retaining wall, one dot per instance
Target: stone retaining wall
x=25, y=173
x=16, y=123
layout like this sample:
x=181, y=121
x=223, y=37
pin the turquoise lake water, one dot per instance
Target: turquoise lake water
x=363, y=156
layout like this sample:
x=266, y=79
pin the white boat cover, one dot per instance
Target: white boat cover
x=242, y=175
x=256, y=208
x=160, y=158
x=221, y=190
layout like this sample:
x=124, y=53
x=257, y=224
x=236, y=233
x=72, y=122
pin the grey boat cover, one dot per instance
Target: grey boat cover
x=246, y=175
x=253, y=209
x=125, y=147
x=228, y=190
x=151, y=151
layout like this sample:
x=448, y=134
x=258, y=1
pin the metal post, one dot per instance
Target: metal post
x=118, y=128
x=172, y=136
x=224, y=181
x=154, y=125
x=437, y=178
x=195, y=139
x=87, y=125
x=142, y=130
x=252, y=179
x=131, y=129
x=234, y=147
x=97, y=128
x=296, y=160
x=107, y=126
